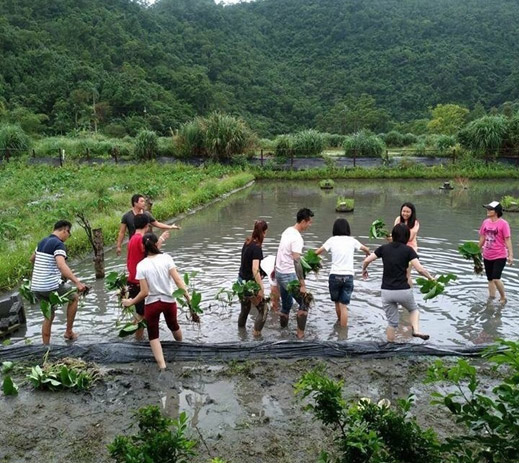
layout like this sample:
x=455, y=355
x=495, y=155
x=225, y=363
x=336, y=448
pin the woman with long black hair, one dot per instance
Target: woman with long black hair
x=251, y=256
x=156, y=274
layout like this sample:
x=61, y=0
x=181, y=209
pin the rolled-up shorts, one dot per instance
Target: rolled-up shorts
x=494, y=268
x=341, y=287
x=152, y=315
x=390, y=300
x=61, y=290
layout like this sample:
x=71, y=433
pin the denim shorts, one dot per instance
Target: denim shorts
x=341, y=287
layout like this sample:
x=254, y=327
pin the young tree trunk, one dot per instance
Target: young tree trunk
x=99, y=255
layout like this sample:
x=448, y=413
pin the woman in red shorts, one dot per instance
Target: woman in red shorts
x=156, y=274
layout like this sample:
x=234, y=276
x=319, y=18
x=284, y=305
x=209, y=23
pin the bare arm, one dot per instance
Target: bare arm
x=164, y=226
x=179, y=281
x=421, y=269
x=510, y=249
x=481, y=241
x=162, y=239
x=120, y=238
x=365, y=264
x=257, y=276
x=320, y=250
x=33, y=258
x=67, y=273
x=365, y=249
x=144, y=291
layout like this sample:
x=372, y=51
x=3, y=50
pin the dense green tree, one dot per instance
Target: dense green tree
x=447, y=119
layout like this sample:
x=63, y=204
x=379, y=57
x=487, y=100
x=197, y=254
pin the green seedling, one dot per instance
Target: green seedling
x=432, y=288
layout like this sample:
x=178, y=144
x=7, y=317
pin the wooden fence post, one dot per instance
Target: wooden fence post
x=99, y=253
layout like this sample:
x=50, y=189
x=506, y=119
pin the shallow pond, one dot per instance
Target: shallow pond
x=210, y=242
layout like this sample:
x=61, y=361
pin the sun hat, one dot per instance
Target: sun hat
x=493, y=205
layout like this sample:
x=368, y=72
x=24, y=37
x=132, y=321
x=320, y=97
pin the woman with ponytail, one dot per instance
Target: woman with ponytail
x=251, y=256
x=156, y=274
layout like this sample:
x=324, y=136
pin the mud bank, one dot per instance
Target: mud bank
x=239, y=411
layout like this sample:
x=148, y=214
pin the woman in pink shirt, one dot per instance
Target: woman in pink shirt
x=496, y=246
x=408, y=217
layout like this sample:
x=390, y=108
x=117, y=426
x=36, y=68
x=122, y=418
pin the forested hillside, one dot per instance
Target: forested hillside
x=283, y=65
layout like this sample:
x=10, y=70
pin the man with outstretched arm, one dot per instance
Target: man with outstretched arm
x=50, y=270
x=127, y=220
x=289, y=268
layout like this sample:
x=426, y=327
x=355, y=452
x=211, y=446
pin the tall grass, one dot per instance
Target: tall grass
x=226, y=136
x=485, y=135
x=13, y=139
x=146, y=145
x=364, y=144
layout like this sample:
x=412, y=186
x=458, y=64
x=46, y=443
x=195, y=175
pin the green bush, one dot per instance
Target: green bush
x=284, y=146
x=333, y=140
x=491, y=423
x=484, y=136
x=445, y=143
x=226, y=136
x=409, y=139
x=13, y=140
x=159, y=440
x=366, y=432
x=364, y=144
x=308, y=143
x=166, y=147
x=190, y=139
x=394, y=139
x=146, y=144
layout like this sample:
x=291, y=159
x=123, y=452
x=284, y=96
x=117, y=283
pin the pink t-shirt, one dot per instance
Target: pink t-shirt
x=495, y=234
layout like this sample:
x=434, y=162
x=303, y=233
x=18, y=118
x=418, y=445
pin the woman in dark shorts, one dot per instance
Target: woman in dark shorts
x=156, y=274
x=496, y=245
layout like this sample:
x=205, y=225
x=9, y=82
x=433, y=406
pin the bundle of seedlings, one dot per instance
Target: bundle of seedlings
x=378, y=230
x=126, y=321
x=311, y=262
x=67, y=373
x=294, y=289
x=470, y=250
x=432, y=288
x=193, y=306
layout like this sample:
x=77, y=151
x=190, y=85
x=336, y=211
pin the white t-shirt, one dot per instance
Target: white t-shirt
x=291, y=241
x=155, y=270
x=342, y=249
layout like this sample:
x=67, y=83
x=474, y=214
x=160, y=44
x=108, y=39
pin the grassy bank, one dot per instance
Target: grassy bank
x=35, y=197
x=472, y=170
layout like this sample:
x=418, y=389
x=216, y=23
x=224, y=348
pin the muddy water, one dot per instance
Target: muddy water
x=210, y=243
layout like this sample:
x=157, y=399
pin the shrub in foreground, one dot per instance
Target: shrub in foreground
x=13, y=140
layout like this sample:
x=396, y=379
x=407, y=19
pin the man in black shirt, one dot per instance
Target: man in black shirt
x=396, y=257
x=138, y=205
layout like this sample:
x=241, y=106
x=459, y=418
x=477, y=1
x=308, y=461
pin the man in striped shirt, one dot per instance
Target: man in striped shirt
x=49, y=271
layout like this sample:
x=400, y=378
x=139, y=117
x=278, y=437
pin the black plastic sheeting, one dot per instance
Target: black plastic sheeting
x=125, y=352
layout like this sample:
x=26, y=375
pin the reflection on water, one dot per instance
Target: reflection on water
x=210, y=242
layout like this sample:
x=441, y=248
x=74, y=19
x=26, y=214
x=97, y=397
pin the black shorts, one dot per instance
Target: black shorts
x=494, y=268
x=133, y=290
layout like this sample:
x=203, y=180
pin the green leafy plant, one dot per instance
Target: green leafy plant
x=194, y=305
x=9, y=387
x=378, y=229
x=363, y=144
x=432, y=288
x=13, y=139
x=363, y=431
x=294, y=289
x=327, y=184
x=68, y=373
x=491, y=423
x=246, y=289
x=131, y=328
x=470, y=250
x=344, y=204
x=510, y=204
x=146, y=144
x=7, y=367
x=159, y=440
x=46, y=305
x=25, y=291
x=311, y=262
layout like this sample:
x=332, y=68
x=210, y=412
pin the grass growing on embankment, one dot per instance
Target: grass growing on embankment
x=35, y=197
x=471, y=170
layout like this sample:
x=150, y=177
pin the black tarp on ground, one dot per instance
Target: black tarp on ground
x=125, y=352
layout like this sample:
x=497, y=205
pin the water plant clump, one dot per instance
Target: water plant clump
x=378, y=229
x=345, y=204
x=470, y=250
x=326, y=184
x=193, y=305
x=68, y=373
x=311, y=262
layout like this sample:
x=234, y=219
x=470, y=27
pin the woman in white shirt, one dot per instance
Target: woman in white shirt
x=342, y=247
x=156, y=274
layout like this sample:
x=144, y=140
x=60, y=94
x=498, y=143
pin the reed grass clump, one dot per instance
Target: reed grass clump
x=364, y=144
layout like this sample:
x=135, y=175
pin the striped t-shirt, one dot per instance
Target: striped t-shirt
x=46, y=275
